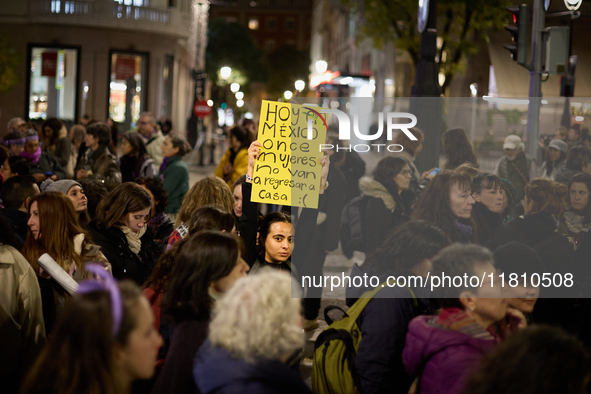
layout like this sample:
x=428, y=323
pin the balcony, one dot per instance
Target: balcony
x=115, y=14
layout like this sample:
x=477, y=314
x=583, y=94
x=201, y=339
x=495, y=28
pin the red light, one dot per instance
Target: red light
x=514, y=18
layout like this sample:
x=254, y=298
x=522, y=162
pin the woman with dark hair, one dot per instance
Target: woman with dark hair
x=42, y=164
x=543, y=204
x=446, y=200
x=15, y=142
x=113, y=324
x=577, y=219
x=55, y=140
x=54, y=229
x=160, y=224
x=97, y=160
x=208, y=218
x=442, y=350
x=275, y=232
x=384, y=320
x=174, y=172
x=411, y=149
x=135, y=161
x=537, y=360
x=207, y=266
x=457, y=148
x=388, y=202
x=555, y=161
x=75, y=193
x=234, y=162
x=486, y=212
x=509, y=193
x=95, y=191
x=237, y=194
x=120, y=230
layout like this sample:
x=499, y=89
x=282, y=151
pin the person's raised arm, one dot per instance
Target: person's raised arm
x=249, y=219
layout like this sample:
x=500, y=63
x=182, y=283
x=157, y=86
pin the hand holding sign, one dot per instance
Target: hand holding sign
x=287, y=170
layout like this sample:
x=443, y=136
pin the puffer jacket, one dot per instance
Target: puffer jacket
x=442, y=358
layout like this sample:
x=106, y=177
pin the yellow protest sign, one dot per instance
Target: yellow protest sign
x=288, y=169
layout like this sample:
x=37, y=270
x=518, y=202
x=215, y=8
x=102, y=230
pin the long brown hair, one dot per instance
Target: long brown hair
x=547, y=196
x=457, y=149
x=79, y=357
x=434, y=205
x=208, y=191
x=58, y=225
x=125, y=198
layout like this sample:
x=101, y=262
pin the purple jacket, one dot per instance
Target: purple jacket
x=450, y=356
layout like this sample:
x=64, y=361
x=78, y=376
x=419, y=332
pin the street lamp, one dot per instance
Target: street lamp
x=300, y=85
x=473, y=94
x=235, y=87
x=239, y=103
x=210, y=103
x=225, y=72
x=321, y=66
x=239, y=95
x=288, y=94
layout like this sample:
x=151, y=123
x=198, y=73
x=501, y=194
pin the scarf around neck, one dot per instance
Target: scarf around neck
x=32, y=157
x=575, y=223
x=465, y=229
x=133, y=239
x=456, y=319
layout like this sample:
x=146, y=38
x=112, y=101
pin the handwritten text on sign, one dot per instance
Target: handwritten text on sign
x=287, y=171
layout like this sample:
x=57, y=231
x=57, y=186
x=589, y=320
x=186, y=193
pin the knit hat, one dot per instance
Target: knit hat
x=559, y=145
x=518, y=258
x=63, y=186
x=510, y=189
x=513, y=142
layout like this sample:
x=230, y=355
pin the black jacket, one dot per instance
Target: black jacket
x=486, y=223
x=383, y=212
x=126, y=264
x=384, y=324
x=18, y=221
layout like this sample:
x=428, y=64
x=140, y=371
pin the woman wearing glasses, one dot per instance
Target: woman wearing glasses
x=388, y=200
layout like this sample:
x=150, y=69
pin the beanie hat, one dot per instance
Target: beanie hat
x=62, y=186
x=510, y=189
x=518, y=258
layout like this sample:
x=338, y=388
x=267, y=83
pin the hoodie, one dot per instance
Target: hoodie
x=442, y=358
x=216, y=372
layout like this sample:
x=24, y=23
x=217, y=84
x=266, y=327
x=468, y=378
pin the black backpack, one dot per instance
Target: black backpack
x=352, y=229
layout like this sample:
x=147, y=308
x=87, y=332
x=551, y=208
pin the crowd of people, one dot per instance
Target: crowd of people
x=159, y=286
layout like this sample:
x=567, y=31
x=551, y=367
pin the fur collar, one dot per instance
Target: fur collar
x=372, y=188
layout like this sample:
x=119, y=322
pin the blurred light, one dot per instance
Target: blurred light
x=334, y=104
x=474, y=89
x=224, y=106
x=239, y=95
x=300, y=85
x=248, y=115
x=579, y=118
x=235, y=87
x=86, y=89
x=239, y=103
x=288, y=94
x=253, y=24
x=389, y=81
x=225, y=72
x=346, y=80
x=210, y=103
x=118, y=86
x=544, y=101
x=321, y=66
x=221, y=117
x=504, y=100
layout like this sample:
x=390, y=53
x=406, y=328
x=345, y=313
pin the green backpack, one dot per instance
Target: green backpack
x=336, y=347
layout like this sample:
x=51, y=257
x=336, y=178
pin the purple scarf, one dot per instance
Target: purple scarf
x=32, y=157
x=465, y=229
x=164, y=162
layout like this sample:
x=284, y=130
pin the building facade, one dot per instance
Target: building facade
x=104, y=58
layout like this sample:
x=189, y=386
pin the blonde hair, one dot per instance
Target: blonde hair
x=258, y=318
x=208, y=191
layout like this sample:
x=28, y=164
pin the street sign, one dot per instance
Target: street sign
x=201, y=109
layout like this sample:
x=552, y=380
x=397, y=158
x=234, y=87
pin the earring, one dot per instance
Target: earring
x=471, y=308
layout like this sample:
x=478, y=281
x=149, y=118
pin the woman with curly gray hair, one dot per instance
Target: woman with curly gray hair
x=255, y=332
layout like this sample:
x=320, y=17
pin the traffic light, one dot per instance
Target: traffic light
x=519, y=32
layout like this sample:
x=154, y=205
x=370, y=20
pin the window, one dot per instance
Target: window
x=253, y=24
x=270, y=45
x=271, y=24
x=290, y=24
x=53, y=81
x=127, y=87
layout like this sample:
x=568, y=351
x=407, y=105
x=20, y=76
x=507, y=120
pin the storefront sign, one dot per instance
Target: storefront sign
x=124, y=68
x=48, y=64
